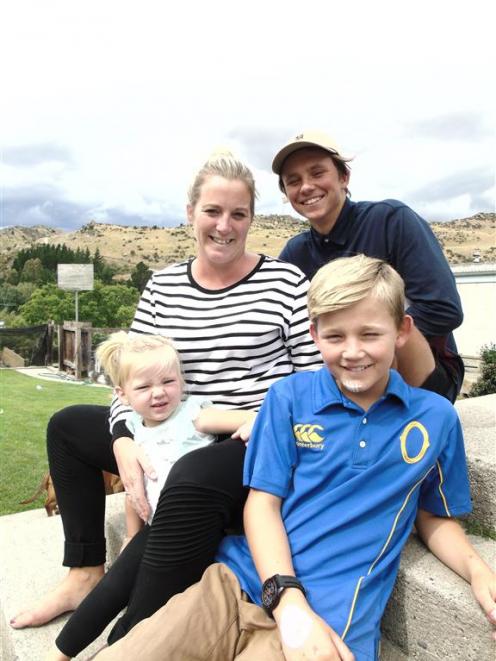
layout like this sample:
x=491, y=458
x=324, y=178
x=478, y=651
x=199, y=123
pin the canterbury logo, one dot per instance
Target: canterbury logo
x=404, y=441
x=308, y=433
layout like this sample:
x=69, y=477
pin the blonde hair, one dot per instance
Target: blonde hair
x=223, y=164
x=348, y=280
x=120, y=353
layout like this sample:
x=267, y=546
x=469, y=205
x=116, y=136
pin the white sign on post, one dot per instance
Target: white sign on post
x=75, y=277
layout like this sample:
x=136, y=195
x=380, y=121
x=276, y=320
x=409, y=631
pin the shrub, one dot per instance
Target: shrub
x=486, y=384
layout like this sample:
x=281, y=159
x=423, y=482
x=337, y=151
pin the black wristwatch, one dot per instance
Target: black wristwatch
x=274, y=586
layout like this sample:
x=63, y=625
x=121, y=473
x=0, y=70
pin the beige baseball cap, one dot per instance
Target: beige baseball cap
x=305, y=139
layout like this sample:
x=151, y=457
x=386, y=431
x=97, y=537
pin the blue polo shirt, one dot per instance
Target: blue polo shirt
x=391, y=231
x=351, y=483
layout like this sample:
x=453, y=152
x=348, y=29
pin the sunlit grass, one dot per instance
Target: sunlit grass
x=26, y=405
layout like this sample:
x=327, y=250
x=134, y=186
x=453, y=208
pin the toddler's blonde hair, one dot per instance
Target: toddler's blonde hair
x=120, y=353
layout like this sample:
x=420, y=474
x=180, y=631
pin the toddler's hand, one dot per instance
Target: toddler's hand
x=244, y=431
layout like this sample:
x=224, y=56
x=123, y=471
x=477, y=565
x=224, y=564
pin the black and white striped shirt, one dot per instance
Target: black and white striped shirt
x=233, y=342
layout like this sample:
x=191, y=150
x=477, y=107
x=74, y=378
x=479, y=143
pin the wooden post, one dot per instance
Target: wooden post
x=75, y=354
x=77, y=351
x=60, y=337
x=49, y=344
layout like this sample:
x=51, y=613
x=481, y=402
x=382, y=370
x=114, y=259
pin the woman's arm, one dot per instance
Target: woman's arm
x=447, y=540
x=304, y=635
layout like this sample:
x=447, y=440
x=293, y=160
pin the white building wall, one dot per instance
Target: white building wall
x=476, y=285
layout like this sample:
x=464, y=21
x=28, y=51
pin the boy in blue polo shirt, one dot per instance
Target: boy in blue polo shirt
x=341, y=464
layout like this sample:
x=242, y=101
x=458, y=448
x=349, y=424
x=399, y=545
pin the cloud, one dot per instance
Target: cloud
x=117, y=216
x=462, y=194
x=31, y=155
x=470, y=126
x=473, y=182
x=46, y=205
x=259, y=145
x=41, y=205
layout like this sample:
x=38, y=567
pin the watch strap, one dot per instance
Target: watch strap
x=273, y=588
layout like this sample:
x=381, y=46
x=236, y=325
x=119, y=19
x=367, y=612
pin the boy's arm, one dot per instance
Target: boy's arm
x=304, y=635
x=211, y=420
x=447, y=540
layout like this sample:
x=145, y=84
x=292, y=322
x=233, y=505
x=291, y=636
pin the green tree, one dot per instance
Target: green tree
x=12, y=276
x=140, y=276
x=48, y=302
x=108, y=306
x=33, y=271
x=103, y=271
x=12, y=320
x=11, y=297
x=486, y=384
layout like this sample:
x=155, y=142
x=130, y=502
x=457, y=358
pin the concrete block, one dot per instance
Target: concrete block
x=478, y=418
x=432, y=614
x=11, y=358
x=390, y=652
x=30, y=565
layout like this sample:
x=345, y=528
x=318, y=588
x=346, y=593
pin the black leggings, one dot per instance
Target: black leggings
x=203, y=495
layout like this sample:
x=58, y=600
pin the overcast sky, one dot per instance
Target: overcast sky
x=110, y=105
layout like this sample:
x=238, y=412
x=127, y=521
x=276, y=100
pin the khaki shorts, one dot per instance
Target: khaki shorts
x=211, y=620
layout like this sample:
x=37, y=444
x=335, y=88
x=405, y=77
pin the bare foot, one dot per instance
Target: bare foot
x=65, y=597
x=54, y=654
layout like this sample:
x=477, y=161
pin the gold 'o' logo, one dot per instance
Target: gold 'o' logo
x=404, y=438
x=308, y=433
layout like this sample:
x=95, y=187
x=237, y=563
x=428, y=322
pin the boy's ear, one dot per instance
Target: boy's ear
x=189, y=213
x=120, y=394
x=314, y=333
x=404, y=331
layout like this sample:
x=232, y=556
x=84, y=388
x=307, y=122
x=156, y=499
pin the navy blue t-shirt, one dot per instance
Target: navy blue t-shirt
x=391, y=231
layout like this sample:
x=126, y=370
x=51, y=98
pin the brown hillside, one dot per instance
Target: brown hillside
x=124, y=247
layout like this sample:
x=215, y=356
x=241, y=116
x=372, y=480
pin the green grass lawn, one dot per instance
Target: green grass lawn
x=26, y=405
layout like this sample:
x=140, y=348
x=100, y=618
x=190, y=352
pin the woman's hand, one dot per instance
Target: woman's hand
x=307, y=637
x=133, y=463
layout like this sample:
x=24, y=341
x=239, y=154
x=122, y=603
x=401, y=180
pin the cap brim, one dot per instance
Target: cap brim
x=286, y=151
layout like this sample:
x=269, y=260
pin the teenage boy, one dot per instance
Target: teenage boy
x=314, y=176
x=342, y=462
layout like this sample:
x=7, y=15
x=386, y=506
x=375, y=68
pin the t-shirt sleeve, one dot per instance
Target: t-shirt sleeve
x=430, y=287
x=271, y=454
x=446, y=491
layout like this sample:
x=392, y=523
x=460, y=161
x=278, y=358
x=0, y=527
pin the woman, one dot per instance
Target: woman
x=239, y=322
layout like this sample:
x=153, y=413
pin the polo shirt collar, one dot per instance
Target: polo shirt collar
x=342, y=229
x=326, y=392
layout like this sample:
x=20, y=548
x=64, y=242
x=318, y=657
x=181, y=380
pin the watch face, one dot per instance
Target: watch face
x=270, y=592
